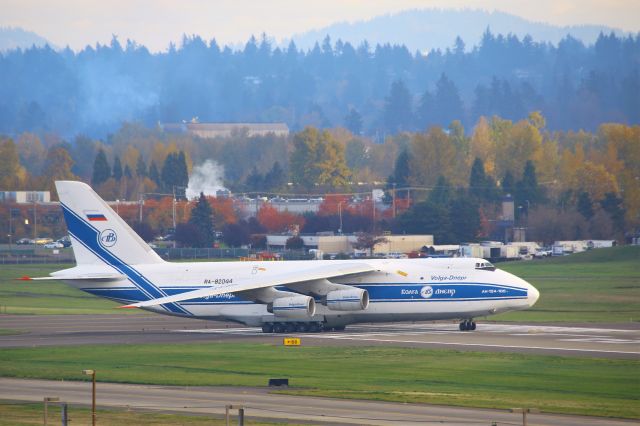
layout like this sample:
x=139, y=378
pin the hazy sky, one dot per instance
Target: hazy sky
x=155, y=23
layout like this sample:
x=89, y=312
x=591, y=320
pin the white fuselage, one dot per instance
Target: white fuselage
x=399, y=290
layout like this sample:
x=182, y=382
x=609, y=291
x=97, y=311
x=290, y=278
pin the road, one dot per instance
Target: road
x=260, y=403
x=591, y=340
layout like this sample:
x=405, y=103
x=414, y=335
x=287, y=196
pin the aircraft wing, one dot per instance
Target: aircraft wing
x=296, y=276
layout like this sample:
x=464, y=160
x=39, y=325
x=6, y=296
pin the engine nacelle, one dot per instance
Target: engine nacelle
x=355, y=299
x=293, y=307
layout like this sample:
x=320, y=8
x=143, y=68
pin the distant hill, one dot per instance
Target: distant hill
x=428, y=29
x=13, y=38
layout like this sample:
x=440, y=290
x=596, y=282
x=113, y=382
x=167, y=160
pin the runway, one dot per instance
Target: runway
x=591, y=340
x=260, y=403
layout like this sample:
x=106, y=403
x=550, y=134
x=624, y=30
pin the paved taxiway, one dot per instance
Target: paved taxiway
x=262, y=404
x=606, y=341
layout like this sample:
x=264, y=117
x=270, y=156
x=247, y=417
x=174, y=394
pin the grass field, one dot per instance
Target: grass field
x=493, y=380
x=48, y=297
x=14, y=414
x=597, y=286
x=600, y=285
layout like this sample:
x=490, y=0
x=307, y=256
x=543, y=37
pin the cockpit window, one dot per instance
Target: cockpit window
x=485, y=266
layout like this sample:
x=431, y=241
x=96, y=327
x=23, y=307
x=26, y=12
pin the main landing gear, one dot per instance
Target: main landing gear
x=298, y=327
x=467, y=325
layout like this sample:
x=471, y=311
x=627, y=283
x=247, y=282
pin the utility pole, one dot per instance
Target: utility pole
x=340, y=213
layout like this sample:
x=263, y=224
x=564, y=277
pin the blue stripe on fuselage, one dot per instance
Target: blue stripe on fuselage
x=440, y=292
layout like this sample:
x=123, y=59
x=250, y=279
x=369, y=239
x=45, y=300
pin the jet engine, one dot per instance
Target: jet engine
x=293, y=307
x=355, y=299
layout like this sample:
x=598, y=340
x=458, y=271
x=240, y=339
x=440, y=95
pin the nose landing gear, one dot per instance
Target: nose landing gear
x=467, y=325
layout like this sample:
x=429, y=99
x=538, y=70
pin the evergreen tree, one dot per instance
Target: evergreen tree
x=275, y=178
x=441, y=194
x=255, y=180
x=141, y=167
x=448, y=105
x=353, y=121
x=117, y=169
x=202, y=218
x=465, y=219
x=508, y=184
x=585, y=205
x=182, y=171
x=398, y=115
x=127, y=172
x=426, y=113
x=153, y=173
x=174, y=173
x=401, y=170
x=527, y=190
x=101, y=169
x=481, y=186
x=613, y=205
x=168, y=174
x=426, y=218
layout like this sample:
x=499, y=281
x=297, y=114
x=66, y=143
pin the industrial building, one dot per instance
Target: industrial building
x=332, y=244
x=224, y=130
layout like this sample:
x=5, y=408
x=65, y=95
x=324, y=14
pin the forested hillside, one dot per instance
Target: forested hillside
x=372, y=90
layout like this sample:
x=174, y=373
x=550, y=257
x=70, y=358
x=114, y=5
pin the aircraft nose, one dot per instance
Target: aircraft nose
x=532, y=295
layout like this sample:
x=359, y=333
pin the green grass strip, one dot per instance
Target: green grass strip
x=585, y=386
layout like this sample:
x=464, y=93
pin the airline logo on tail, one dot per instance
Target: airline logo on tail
x=108, y=238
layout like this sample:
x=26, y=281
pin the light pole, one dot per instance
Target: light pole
x=35, y=219
x=92, y=373
x=10, y=226
x=141, y=204
x=394, y=200
x=340, y=213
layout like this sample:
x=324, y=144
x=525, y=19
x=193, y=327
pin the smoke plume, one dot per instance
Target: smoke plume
x=207, y=178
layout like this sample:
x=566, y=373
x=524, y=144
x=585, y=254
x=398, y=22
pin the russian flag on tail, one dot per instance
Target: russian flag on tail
x=95, y=216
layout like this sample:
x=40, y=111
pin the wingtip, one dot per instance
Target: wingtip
x=25, y=278
x=127, y=307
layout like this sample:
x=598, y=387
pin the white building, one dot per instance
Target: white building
x=25, y=197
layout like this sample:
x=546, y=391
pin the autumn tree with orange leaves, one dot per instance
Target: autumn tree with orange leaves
x=276, y=221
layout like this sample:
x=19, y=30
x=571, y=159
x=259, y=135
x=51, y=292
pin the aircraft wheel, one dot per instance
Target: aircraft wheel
x=467, y=325
x=473, y=325
x=302, y=327
x=278, y=328
x=267, y=327
x=314, y=327
x=340, y=328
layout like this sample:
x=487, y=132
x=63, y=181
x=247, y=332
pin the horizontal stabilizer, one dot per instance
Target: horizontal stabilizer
x=323, y=272
x=86, y=277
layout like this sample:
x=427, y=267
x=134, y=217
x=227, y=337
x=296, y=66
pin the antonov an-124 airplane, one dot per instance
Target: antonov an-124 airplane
x=286, y=296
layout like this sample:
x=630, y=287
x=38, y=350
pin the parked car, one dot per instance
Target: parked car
x=543, y=252
x=42, y=240
x=24, y=241
x=53, y=245
x=65, y=243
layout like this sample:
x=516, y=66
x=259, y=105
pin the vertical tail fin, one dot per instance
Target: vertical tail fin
x=98, y=234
